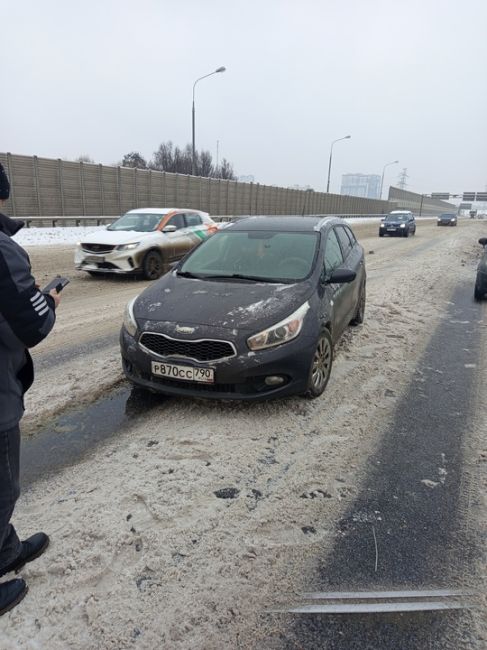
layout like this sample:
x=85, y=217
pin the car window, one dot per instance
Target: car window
x=333, y=252
x=176, y=220
x=193, y=219
x=352, y=237
x=344, y=240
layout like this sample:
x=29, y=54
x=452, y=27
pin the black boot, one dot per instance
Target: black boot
x=11, y=593
x=31, y=549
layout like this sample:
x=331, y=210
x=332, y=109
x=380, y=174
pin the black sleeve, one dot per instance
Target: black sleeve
x=29, y=313
x=4, y=185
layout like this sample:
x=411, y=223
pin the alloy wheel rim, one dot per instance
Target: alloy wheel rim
x=321, y=364
x=154, y=267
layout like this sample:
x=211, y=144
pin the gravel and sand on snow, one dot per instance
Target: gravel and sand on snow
x=197, y=517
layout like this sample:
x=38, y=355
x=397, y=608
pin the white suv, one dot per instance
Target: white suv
x=146, y=240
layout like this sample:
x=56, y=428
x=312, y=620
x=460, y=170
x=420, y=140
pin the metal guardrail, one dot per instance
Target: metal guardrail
x=99, y=221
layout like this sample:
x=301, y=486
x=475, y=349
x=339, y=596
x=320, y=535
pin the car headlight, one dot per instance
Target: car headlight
x=284, y=331
x=129, y=321
x=453, y=219
x=127, y=247
x=403, y=225
x=382, y=225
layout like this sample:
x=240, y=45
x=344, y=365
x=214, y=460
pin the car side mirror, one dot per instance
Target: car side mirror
x=341, y=276
x=483, y=241
x=167, y=229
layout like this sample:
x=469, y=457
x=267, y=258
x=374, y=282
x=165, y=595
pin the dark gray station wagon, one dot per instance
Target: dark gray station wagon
x=252, y=313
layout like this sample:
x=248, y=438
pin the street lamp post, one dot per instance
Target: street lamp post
x=347, y=137
x=193, y=160
x=394, y=162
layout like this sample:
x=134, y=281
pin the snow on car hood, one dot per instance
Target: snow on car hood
x=116, y=237
x=219, y=304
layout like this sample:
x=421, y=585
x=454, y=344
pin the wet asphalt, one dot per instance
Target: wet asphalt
x=414, y=506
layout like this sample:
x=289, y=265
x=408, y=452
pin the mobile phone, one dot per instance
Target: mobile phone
x=58, y=283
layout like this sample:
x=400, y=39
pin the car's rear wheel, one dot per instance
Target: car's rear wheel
x=153, y=265
x=320, y=370
x=359, y=317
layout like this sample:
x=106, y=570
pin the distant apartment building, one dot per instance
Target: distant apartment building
x=365, y=185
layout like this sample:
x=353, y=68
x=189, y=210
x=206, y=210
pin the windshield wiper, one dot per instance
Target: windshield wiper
x=188, y=274
x=241, y=276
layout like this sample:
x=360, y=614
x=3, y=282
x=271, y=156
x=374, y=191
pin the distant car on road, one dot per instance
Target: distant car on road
x=447, y=219
x=146, y=240
x=481, y=281
x=253, y=313
x=398, y=222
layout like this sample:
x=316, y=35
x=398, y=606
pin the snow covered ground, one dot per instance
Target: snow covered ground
x=53, y=236
x=72, y=234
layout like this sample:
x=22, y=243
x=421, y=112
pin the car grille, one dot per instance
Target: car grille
x=203, y=350
x=97, y=248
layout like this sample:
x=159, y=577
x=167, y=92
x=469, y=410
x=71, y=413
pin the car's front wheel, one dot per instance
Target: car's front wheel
x=320, y=370
x=153, y=265
x=477, y=294
x=406, y=233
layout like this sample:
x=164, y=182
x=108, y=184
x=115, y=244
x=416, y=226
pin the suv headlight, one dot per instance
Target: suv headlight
x=382, y=225
x=127, y=247
x=284, y=331
x=129, y=321
x=403, y=225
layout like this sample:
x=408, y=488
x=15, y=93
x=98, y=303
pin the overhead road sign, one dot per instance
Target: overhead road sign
x=481, y=196
x=444, y=196
x=469, y=196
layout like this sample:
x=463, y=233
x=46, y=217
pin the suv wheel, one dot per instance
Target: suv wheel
x=477, y=294
x=153, y=265
x=406, y=232
x=320, y=370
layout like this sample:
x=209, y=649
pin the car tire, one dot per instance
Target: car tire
x=406, y=233
x=153, y=265
x=321, y=364
x=381, y=234
x=359, y=316
x=94, y=274
x=477, y=294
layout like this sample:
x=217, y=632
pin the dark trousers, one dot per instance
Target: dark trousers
x=10, y=546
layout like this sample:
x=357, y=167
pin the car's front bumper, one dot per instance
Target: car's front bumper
x=111, y=262
x=392, y=231
x=241, y=377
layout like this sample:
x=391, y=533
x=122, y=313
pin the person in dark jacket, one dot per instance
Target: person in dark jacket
x=26, y=318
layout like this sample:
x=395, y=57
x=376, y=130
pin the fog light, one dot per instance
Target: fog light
x=274, y=380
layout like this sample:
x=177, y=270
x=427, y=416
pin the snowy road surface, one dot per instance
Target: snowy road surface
x=192, y=519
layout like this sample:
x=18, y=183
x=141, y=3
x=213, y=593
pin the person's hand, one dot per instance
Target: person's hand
x=56, y=296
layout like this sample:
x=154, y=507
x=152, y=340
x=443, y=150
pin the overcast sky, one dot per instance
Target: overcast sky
x=407, y=80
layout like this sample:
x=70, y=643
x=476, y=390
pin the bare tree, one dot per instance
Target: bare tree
x=84, y=158
x=134, y=159
x=225, y=171
x=168, y=158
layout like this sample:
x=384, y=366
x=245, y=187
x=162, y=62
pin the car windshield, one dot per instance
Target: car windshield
x=138, y=221
x=447, y=216
x=256, y=255
x=397, y=217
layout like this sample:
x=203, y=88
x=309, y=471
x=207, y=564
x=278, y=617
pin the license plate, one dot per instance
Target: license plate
x=94, y=258
x=391, y=230
x=183, y=373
